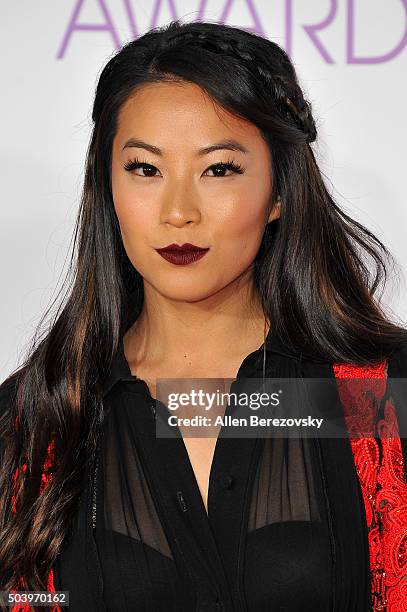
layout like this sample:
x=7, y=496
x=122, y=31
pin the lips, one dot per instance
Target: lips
x=187, y=246
x=182, y=255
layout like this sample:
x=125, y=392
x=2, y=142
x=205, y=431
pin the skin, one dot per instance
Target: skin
x=202, y=319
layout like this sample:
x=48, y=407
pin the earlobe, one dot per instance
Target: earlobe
x=276, y=211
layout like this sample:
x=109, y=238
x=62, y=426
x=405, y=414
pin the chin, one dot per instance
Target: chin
x=186, y=292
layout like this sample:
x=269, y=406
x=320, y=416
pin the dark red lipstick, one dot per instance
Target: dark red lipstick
x=182, y=255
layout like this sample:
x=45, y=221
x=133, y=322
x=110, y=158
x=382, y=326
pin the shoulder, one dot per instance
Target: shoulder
x=7, y=396
x=7, y=393
x=397, y=360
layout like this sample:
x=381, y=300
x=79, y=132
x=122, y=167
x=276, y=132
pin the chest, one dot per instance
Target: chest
x=200, y=453
x=199, y=449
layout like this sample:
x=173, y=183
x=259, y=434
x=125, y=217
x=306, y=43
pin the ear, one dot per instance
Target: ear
x=275, y=212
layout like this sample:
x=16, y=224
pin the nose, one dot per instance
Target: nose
x=179, y=207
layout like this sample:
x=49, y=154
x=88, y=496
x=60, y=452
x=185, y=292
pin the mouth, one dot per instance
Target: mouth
x=182, y=255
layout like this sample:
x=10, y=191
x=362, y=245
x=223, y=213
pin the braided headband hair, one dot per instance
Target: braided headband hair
x=281, y=80
x=277, y=75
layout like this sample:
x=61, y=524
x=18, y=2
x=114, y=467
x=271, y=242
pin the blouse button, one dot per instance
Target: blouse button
x=153, y=407
x=181, y=501
x=227, y=481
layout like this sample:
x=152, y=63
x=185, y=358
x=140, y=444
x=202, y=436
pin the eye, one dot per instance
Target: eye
x=136, y=163
x=229, y=165
x=221, y=167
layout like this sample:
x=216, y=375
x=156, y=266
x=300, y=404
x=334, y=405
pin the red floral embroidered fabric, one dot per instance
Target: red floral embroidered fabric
x=45, y=479
x=379, y=465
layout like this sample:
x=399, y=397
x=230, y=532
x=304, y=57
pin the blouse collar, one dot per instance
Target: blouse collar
x=120, y=369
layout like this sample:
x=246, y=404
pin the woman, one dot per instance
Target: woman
x=202, y=136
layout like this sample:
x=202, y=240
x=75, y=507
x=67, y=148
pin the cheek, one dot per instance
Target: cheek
x=134, y=216
x=240, y=228
x=123, y=198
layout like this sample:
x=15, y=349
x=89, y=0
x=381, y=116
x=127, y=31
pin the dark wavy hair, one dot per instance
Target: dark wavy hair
x=317, y=271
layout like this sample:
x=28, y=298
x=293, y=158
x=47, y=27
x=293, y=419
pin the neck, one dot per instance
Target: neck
x=225, y=326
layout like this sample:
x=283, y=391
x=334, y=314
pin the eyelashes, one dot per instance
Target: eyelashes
x=222, y=166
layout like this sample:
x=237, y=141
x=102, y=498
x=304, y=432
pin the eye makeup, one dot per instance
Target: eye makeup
x=231, y=165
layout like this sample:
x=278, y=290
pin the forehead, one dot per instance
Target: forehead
x=180, y=112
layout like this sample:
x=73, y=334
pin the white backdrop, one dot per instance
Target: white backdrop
x=351, y=59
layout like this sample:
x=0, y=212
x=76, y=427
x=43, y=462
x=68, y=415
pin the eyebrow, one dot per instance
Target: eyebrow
x=230, y=144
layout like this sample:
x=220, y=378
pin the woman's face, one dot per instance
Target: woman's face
x=181, y=195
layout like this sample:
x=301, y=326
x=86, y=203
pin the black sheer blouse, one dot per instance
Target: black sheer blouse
x=265, y=543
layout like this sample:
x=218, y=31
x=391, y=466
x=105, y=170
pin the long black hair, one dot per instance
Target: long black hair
x=317, y=272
